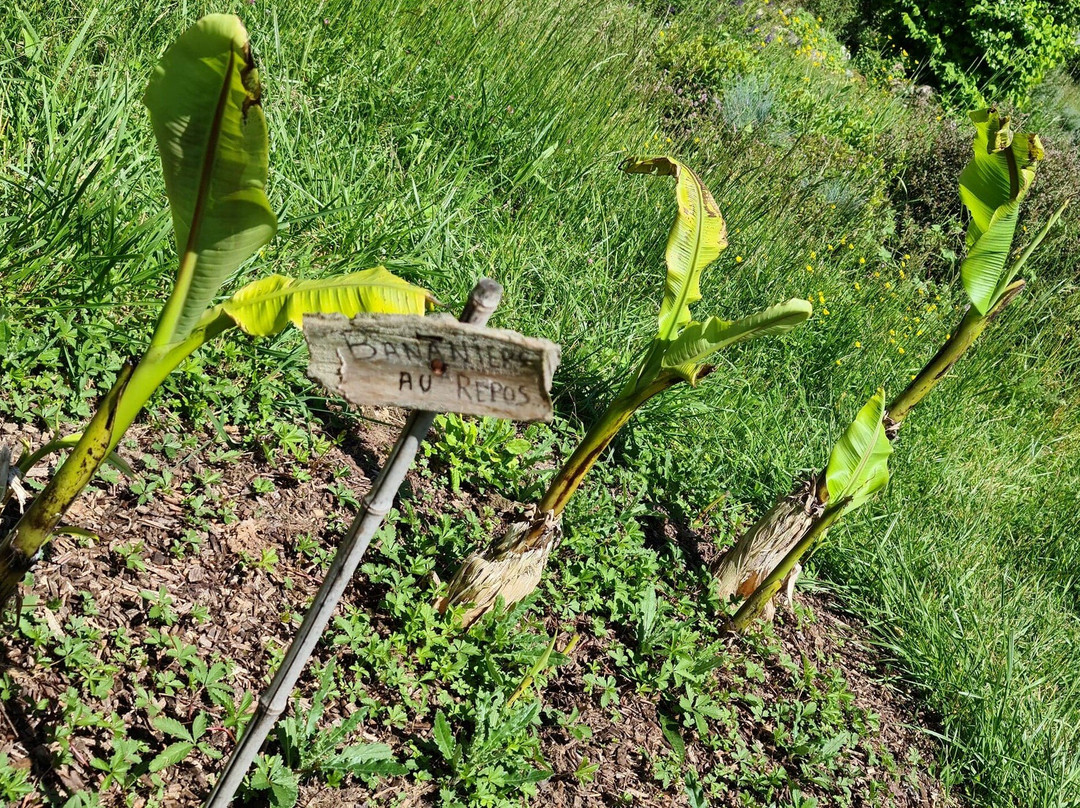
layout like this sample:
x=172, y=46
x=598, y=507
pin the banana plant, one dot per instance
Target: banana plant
x=858, y=468
x=204, y=100
x=992, y=187
x=511, y=567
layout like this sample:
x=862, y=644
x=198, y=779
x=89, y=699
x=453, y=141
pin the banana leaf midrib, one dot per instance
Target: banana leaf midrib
x=699, y=230
x=210, y=157
x=171, y=315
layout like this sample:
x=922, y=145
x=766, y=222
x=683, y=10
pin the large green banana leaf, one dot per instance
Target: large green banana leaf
x=204, y=103
x=698, y=341
x=697, y=237
x=992, y=185
x=266, y=306
x=859, y=463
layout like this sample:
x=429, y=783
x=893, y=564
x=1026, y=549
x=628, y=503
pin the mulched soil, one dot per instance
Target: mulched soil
x=250, y=611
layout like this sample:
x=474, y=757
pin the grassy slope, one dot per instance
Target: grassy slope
x=458, y=151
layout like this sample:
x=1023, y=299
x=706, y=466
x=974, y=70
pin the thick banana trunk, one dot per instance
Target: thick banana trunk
x=760, y=549
x=510, y=567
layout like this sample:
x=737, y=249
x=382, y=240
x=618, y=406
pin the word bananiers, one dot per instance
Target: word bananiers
x=433, y=363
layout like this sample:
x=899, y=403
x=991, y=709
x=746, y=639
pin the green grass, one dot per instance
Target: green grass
x=453, y=140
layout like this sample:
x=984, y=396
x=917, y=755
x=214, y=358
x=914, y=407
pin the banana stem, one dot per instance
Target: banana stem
x=754, y=605
x=151, y=371
x=157, y=363
x=19, y=547
x=600, y=434
x=114, y=415
x=937, y=368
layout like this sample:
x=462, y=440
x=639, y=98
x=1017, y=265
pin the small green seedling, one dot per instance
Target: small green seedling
x=204, y=100
x=186, y=740
x=992, y=186
x=511, y=567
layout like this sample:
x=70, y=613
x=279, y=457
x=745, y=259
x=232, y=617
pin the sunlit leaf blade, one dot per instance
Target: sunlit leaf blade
x=985, y=182
x=172, y=727
x=697, y=237
x=266, y=306
x=171, y=755
x=444, y=737
x=859, y=463
x=697, y=341
x=992, y=185
x=1018, y=264
x=983, y=268
x=359, y=758
x=203, y=99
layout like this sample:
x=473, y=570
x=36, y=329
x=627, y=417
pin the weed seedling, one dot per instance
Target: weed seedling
x=132, y=555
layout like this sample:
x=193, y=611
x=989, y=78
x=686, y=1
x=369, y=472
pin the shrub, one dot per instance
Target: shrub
x=511, y=567
x=993, y=185
x=1002, y=48
x=836, y=15
x=204, y=100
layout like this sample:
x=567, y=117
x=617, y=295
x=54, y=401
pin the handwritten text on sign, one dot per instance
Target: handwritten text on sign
x=432, y=363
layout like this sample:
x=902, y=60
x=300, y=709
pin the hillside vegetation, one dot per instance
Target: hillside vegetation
x=453, y=140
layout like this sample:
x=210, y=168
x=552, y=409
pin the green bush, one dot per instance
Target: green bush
x=996, y=48
x=836, y=15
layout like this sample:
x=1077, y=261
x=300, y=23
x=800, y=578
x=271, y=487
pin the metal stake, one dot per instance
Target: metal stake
x=483, y=299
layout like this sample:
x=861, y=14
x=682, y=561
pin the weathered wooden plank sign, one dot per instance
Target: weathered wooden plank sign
x=432, y=363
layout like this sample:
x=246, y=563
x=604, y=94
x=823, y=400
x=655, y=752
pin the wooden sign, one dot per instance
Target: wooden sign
x=432, y=363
